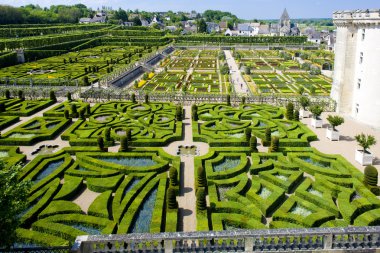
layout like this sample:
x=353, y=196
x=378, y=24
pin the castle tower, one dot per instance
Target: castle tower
x=356, y=85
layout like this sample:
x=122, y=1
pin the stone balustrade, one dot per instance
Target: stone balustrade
x=352, y=239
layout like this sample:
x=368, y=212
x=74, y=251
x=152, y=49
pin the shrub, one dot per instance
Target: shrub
x=52, y=96
x=365, y=141
x=316, y=110
x=173, y=176
x=128, y=134
x=88, y=110
x=100, y=143
x=290, y=111
x=202, y=182
x=171, y=198
x=243, y=100
x=248, y=133
x=229, y=100
x=69, y=96
x=304, y=102
x=253, y=144
x=274, y=144
x=123, y=144
x=194, y=115
x=296, y=115
x=146, y=98
x=2, y=107
x=201, y=199
x=370, y=175
x=335, y=121
x=7, y=94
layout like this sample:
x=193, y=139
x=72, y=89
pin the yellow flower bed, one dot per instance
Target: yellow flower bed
x=141, y=83
x=151, y=75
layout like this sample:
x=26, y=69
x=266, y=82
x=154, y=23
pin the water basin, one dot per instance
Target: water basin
x=130, y=161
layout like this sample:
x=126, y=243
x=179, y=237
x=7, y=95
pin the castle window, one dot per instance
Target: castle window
x=363, y=34
x=357, y=109
x=359, y=83
x=361, y=58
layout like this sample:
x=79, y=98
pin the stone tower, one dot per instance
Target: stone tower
x=356, y=85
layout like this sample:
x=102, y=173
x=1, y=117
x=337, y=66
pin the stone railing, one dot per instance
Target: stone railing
x=350, y=239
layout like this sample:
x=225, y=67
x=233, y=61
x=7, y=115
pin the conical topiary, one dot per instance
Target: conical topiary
x=123, y=144
x=290, y=111
x=173, y=176
x=296, y=115
x=370, y=175
x=100, y=143
x=248, y=133
x=171, y=198
x=253, y=144
x=201, y=177
x=201, y=199
x=274, y=147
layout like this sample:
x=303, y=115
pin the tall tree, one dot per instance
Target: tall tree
x=202, y=26
x=13, y=200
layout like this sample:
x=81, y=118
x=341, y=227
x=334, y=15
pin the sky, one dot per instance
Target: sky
x=246, y=9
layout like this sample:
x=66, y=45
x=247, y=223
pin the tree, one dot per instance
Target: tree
x=228, y=99
x=365, y=141
x=243, y=100
x=52, y=96
x=289, y=111
x=20, y=95
x=253, y=144
x=136, y=21
x=171, y=198
x=335, y=121
x=201, y=199
x=2, y=107
x=69, y=96
x=13, y=200
x=316, y=110
x=82, y=114
x=123, y=144
x=201, y=179
x=304, y=102
x=146, y=98
x=178, y=113
x=173, y=176
x=202, y=26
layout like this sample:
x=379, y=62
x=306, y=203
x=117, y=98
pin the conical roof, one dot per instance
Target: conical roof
x=285, y=15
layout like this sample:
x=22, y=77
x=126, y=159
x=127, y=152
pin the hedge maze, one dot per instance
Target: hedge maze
x=131, y=194
x=295, y=186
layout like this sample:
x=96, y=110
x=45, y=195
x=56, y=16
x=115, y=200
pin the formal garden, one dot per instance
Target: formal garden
x=114, y=176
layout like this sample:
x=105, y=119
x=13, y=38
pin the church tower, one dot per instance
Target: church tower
x=285, y=19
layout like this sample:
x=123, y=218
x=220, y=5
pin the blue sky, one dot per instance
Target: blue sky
x=248, y=9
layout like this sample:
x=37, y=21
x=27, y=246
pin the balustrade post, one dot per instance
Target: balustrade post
x=168, y=244
x=248, y=244
x=327, y=241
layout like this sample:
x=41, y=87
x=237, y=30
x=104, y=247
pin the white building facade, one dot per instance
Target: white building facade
x=356, y=85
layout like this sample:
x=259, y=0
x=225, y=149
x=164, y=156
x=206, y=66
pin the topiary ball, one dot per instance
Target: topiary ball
x=370, y=175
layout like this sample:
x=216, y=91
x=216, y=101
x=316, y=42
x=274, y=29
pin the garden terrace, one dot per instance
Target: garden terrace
x=151, y=124
x=125, y=192
x=84, y=67
x=25, y=108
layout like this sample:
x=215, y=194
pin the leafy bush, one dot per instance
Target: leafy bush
x=365, y=141
x=335, y=121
